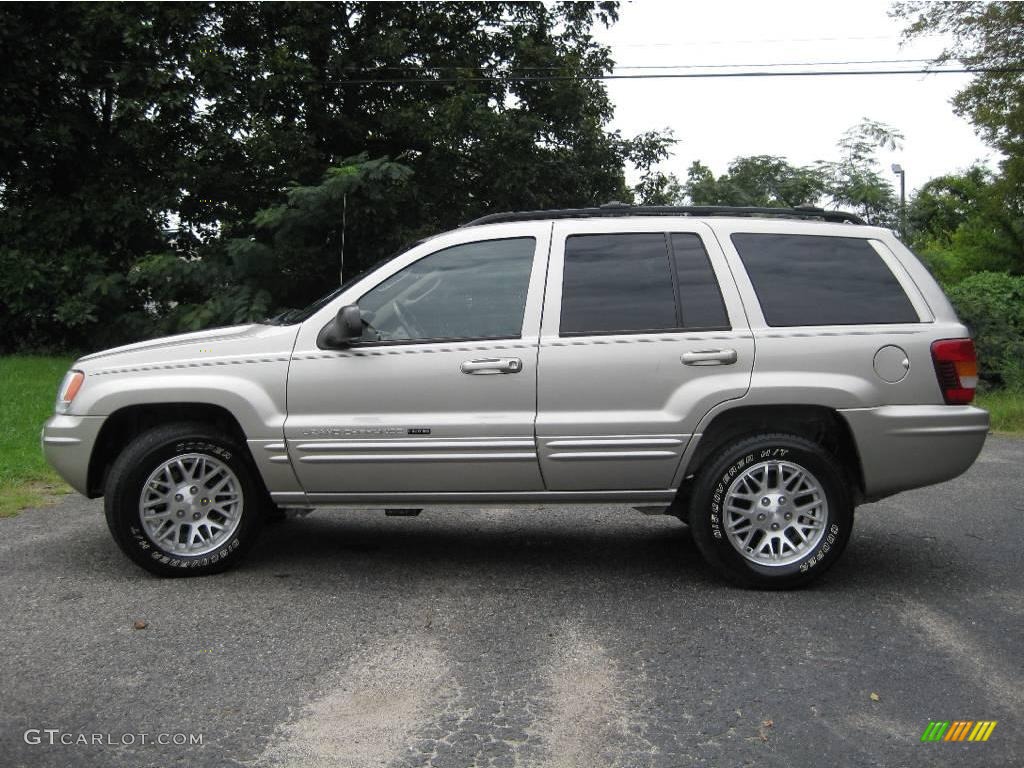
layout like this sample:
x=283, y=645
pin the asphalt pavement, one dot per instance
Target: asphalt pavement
x=569, y=636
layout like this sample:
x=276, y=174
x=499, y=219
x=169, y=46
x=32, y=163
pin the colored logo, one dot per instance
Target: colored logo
x=958, y=730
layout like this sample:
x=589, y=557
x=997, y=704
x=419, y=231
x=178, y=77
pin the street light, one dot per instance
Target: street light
x=898, y=170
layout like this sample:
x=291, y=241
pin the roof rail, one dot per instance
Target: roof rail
x=623, y=209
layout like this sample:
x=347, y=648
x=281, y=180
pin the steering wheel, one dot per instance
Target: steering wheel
x=414, y=330
x=425, y=291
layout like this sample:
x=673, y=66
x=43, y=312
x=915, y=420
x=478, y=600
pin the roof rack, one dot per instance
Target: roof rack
x=623, y=209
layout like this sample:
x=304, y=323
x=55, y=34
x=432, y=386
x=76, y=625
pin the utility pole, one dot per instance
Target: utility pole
x=898, y=170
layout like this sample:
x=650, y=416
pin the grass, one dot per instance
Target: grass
x=1006, y=407
x=29, y=386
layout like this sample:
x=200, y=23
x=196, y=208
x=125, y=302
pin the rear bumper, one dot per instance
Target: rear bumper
x=67, y=445
x=908, y=446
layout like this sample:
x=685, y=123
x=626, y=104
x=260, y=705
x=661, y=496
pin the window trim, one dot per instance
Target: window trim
x=672, y=265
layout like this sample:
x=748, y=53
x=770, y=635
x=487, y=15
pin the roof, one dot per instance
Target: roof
x=615, y=209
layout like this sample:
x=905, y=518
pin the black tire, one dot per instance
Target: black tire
x=709, y=517
x=147, y=453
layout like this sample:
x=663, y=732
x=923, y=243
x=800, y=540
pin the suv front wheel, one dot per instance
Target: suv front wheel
x=182, y=500
x=772, y=511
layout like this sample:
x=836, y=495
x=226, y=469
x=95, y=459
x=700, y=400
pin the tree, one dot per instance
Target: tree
x=138, y=134
x=960, y=225
x=97, y=120
x=988, y=37
x=854, y=180
x=284, y=260
x=759, y=180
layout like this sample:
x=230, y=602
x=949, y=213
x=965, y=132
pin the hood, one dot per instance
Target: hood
x=190, y=340
x=239, y=343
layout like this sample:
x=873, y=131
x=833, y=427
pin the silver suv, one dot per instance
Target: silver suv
x=756, y=373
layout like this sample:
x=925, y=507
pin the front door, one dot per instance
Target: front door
x=440, y=395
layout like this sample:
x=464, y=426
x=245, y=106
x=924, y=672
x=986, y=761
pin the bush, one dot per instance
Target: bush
x=992, y=306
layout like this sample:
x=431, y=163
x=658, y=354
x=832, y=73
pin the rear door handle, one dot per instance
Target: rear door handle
x=710, y=357
x=493, y=365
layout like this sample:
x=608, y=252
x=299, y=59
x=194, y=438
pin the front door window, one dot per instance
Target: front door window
x=470, y=291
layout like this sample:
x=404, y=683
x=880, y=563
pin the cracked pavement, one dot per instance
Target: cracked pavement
x=565, y=636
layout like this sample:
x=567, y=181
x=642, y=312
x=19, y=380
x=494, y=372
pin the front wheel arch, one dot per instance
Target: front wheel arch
x=126, y=424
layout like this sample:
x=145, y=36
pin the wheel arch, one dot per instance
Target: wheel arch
x=127, y=423
x=820, y=424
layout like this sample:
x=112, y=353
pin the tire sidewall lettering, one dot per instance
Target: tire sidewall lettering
x=122, y=504
x=726, y=468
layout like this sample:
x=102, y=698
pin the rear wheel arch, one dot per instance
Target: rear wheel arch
x=819, y=424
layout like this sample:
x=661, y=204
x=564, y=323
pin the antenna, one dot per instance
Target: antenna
x=344, y=211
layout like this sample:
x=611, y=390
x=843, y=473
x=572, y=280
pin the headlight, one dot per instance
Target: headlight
x=72, y=383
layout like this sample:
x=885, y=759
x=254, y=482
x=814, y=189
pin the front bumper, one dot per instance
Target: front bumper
x=67, y=445
x=908, y=446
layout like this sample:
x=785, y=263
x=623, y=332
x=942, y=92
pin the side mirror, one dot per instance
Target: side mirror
x=344, y=329
x=349, y=322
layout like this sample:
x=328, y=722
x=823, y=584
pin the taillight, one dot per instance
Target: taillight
x=956, y=367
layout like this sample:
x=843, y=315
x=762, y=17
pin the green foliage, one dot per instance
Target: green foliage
x=759, y=180
x=293, y=254
x=960, y=224
x=852, y=181
x=989, y=234
x=163, y=164
x=992, y=305
x=855, y=181
x=984, y=35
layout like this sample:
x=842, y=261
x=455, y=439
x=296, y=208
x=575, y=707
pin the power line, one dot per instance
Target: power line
x=506, y=79
x=772, y=41
x=753, y=70
x=762, y=65
x=759, y=65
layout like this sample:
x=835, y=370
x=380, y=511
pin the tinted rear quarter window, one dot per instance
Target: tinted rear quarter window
x=821, y=280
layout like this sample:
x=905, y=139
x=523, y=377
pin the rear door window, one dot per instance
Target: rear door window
x=820, y=280
x=638, y=282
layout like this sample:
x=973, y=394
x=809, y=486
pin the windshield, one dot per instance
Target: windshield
x=293, y=316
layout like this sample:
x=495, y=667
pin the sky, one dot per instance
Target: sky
x=800, y=118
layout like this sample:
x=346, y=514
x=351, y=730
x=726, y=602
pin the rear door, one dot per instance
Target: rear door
x=643, y=333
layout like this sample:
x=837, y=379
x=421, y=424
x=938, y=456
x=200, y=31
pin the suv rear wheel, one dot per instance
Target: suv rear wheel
x=182, y=500
x=772, y=511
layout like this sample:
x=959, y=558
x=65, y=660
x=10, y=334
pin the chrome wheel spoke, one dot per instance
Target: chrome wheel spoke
x=190, y=504
x=774, y=512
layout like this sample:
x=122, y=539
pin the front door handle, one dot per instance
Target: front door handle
x=493, y=365
x=710, y=357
